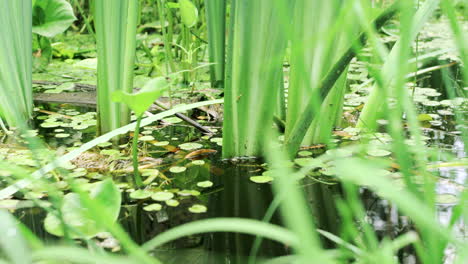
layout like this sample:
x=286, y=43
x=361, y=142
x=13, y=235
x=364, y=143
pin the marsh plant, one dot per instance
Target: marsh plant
x=285, y=72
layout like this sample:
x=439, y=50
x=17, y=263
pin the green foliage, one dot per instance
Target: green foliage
x=51, y=17
x=188, y=13
x=140, y=101
x=75, y=215
x=15, y=62
x=216, y=23
x=116, y=23
x=253, y=75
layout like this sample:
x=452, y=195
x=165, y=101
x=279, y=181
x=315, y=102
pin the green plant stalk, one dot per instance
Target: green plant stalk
x=115, y=23
x=186, y=54
x=331, y=112
x=167, y=42
x=136, y=172
x=311, y=56
x=298, y=132
x=16, y=104
x=216, y=23
x=254, y=58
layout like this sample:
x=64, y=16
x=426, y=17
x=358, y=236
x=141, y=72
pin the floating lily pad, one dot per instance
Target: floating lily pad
x=146, y=138
x=198, y=209
x=172, y=203
x=50, y=124
x=261, y=179
x=153, y=207
x=205, y=184
x=431, y=103
x=198, y=162
x=309, y=163
x=190, y=146
x=62, y=135
x=188, y=193
x=161, y=143
x=162, y=196
x=378, y=152
x=140, y=194
x=177, y=169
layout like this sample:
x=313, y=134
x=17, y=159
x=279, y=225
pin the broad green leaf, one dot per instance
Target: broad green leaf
x=140, y=102
x=76, y=216
x=52, y=17
x=188, y=13
x=12, y=243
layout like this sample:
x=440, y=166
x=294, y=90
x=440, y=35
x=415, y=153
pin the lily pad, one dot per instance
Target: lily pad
x=190, y=146
x=378, y=152
x=140, y=194
x=188, y=193
x=172, y=203
x=161, y=143
x=146, y=138
x=205, y=184
x=153, y=207
x=198, y=162
x=177, y=169
x=309, y=163
x=261, y=179
x=198, y=209
x=162, y=196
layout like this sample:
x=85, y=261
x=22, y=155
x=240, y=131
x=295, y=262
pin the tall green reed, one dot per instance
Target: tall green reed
x=254, y=58
x=216, y=23
x=116, y=23
x=316, y=44
x=15, y=61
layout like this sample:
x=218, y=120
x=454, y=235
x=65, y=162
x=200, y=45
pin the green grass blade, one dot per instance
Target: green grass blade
x=237, y=225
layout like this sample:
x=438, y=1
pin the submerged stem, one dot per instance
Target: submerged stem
x=136, y=173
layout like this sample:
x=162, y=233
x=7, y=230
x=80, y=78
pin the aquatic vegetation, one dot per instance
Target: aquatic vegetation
x=15, y=63
x=116, y=25
x=342, y=137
